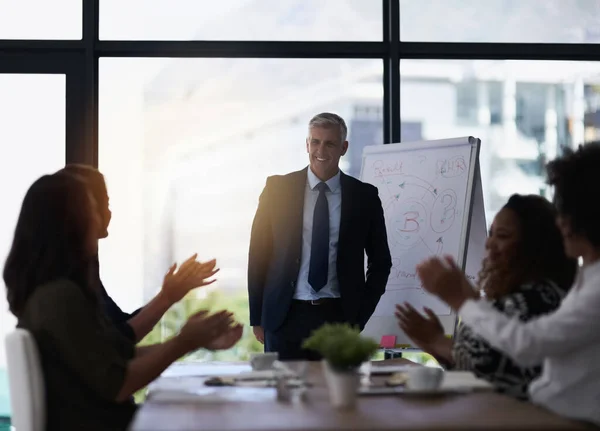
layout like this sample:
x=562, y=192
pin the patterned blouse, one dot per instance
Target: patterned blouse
x=473, y=353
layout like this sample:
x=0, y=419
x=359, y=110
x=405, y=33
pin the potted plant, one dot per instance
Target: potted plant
x=344, y=350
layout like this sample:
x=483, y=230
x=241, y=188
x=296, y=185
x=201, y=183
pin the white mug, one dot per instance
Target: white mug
x=424, y=378
x=263, y=361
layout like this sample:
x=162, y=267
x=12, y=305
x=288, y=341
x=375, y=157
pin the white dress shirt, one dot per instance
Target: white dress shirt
x=304, y=291
x=566, y=341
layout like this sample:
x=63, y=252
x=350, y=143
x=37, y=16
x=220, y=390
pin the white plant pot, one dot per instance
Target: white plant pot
x=343, y=386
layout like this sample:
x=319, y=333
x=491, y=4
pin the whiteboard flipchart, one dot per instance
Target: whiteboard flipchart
x=433, y=205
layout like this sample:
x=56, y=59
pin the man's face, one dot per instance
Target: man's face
x=324, y=146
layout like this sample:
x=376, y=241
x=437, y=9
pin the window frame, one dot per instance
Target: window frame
x=78, y=59
x=50, y=62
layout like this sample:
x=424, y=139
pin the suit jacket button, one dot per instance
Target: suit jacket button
x=298, y=261
x=293, y=283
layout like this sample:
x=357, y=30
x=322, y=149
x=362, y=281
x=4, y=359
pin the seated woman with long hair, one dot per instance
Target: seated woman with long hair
x=525, y=274
x=90, y=369
x=567, y=340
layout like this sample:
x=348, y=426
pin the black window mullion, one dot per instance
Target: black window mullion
x=391, y=72
x=89, y=150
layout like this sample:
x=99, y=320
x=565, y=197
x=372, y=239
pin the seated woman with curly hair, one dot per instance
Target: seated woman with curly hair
x=525, y=274
x=566, y=341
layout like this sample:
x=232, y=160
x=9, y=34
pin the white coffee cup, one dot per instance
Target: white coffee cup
x=424, y=378
x=263, y=361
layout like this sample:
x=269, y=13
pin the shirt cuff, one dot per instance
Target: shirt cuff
x=471, y=309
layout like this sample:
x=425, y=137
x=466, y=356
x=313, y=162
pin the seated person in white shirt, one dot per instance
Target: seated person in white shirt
x=568, y=339
x=525, y=274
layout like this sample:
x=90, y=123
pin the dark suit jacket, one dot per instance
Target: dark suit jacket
x=276, y=247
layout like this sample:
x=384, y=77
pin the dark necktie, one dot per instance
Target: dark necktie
x=319, y=246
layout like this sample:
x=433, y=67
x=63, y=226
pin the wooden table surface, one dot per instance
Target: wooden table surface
x=480, y=410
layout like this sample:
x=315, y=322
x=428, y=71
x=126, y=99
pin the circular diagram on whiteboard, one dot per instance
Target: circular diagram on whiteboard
x=407, y=221
x=443, y=212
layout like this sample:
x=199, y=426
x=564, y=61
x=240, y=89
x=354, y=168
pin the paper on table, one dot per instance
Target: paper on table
x=463, y=379
x=193, y=388
x=455, y=382
x=184, y=369
x=209, y=394
x=206, y=369
x=254, y=379
x=186, y=383
x=257, y=375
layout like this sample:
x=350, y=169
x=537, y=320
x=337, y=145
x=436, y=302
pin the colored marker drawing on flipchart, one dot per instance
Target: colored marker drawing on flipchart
x=423, y=197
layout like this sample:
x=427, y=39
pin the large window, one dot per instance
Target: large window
x=523, y=111
x=518, y=21
x=335, y=20
x=186, y=146
x=32, y=143
x=40, y=19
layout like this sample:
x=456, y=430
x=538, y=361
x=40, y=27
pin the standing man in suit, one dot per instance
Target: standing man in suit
x=309, y=235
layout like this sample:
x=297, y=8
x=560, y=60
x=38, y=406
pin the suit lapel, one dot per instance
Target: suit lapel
x=296, y=208
x=346, y=209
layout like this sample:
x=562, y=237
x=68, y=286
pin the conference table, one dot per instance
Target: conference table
x=257, y=409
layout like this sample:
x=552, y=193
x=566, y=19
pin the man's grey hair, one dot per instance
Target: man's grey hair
x=329, y=120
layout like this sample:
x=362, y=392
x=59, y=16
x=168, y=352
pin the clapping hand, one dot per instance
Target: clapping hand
x=228, y=339
x=190, y=275
x=203, y=330
x=423, y=331
x=443, y=278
